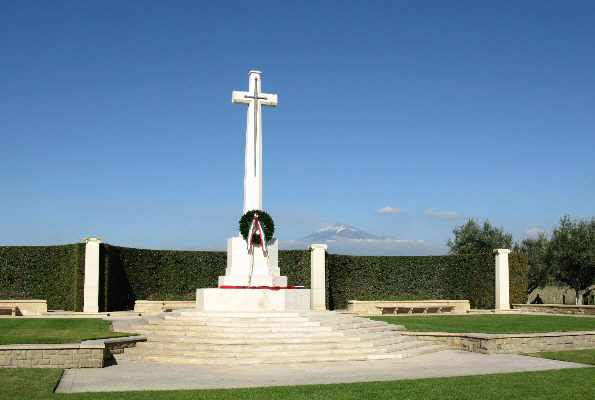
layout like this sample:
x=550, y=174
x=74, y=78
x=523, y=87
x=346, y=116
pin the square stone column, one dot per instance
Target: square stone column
x=502, y=279
x=317, y=276
x=91, y=286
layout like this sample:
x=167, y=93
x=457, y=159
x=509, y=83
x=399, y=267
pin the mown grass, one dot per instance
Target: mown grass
x=53, y=330
x=500, y=323
x=578, y=356
x=26, y=384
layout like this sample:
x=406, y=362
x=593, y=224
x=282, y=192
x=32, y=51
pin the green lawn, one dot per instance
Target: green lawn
x=579, y=356
x=490, y=323
x=26, y=384
x=53, y=330
x=576, y=384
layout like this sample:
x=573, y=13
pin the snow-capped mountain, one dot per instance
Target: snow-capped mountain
x=345, y=239
x=339, y=232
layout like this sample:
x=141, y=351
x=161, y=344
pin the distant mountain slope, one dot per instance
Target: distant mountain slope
x=339, y=232
x=345, y=239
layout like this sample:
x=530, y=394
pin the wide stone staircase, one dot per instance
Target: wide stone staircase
x=236, y=338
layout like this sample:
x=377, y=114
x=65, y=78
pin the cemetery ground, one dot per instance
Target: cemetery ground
x=575, y=383
x=554, y=384
x=498, y=323
x=73, y=330
x=54, y=330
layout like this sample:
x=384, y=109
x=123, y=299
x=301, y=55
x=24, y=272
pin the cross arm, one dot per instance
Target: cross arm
x=239, y=97
x=271, y=99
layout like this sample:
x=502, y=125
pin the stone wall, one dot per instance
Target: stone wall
x=147, y=307
x=371, y=307
x=562, y=294
x=50, y=356
x=556, y=309
x=26, y=307
x=117, y=345
x=87, y=354
x=511, y=343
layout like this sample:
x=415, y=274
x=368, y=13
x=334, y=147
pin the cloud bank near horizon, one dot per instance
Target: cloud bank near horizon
x=373, y=247
x=390, y=210
x=432, y=212
x=534, y=232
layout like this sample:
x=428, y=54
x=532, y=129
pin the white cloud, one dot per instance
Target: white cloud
x=534, y=232
x=391, y=210
x=432, y=212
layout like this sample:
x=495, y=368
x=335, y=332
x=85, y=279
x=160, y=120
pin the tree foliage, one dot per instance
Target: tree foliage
x=471, y=238
x=571, y=254
x=540, y=271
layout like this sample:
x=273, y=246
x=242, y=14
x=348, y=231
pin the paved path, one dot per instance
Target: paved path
x=137, y=375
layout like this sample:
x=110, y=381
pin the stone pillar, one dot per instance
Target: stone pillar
x=502, y=280
x=317, y=276
x=91, y=288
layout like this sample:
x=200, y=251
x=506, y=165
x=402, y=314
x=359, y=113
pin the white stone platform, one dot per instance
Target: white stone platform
x=270, y=337
x=252, y=269
x=218, y=299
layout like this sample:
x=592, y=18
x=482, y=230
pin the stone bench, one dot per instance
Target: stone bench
x=12, y=311
x=388, y=307
x=147, y=307
x=23, y=307
x=388, y=310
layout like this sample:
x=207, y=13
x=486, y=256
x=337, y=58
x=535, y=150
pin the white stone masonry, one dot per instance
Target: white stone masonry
x=253, y=160
x=502, y=280
x=91, y=285
x=317, y=276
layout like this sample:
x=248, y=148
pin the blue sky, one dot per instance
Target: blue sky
x=116, y=118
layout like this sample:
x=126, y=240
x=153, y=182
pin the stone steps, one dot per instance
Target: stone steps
x=216, y=331
x=276, y=345
x=266, y=323
x=277, y=360
x=210, y=328
x=232, y=324
x=267, y=351
x=242, y=334
x=239, y=319
x=257, y=340
x=230, y=338
x=239, y=315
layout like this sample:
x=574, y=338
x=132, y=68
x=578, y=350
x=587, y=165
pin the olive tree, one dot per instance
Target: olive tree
x=571, y=254
x=471, y=238
x=540, y=271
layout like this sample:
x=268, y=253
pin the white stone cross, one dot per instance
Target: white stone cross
x=253, y=162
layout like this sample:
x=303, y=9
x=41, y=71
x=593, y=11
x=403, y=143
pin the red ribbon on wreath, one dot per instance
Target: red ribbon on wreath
x=257, y=228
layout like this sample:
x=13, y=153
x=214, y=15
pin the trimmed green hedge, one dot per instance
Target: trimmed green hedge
x=52, y=273
x=458, y=277
x=56, y=273
x=141, y=274
x=130, y=274
x=518, y=264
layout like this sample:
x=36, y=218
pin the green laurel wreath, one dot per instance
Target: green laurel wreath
x=265, y=220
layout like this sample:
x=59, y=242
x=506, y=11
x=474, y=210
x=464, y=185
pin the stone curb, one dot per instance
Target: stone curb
x=87, y=354
x=510, y=343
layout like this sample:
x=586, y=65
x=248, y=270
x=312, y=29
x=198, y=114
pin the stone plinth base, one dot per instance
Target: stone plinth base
x=252, y=299
x=254, y=280
x=252, y=269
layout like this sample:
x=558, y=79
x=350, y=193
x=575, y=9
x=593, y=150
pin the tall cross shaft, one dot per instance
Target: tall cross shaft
x=253, y=161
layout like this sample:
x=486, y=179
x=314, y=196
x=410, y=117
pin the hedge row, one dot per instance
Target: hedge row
x=56, y=273
x=458, y=277
x=518, y=265
x=52, y=273
x=139, y=274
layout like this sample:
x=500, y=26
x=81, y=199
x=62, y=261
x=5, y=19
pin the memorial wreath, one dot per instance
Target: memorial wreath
x=255, y=226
